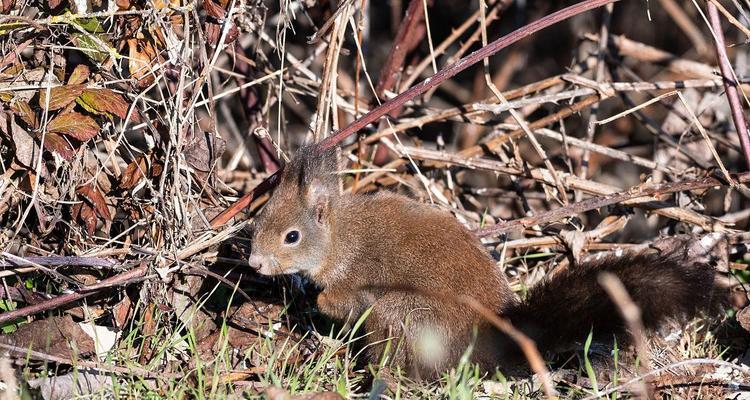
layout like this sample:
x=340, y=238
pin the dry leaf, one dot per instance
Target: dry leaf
x=76, y=125
x=133, y=173
x=213, y=10
x=7, y=5
x=58, y=336
x=743, y=317
x=79, y=75
x=204, y=150
x=79, y=383
x=58, y=144
x=27, y=151
x=94, y=197
x=122, y=312
x=87, y=215
x=5, y=123
x=142, y=56
x=60, y=96
x=23, y=110
x=28, y=78
x=104, y=101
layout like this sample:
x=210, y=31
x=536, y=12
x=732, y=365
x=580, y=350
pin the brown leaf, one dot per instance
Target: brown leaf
x=105, y=101
x=87, y=216
x=213, y=32
x=53, y=4
x=29, y=78
x=79, y=75
x=232, y=35
x=142, y=57
x=23, y=110
x=133, y=173
x=157, y=167
x=60, y=96
x=94, y=197
x=204, y=150
x=122, y=312
x=5, y=124
x=27, y=151
x=57, y=336
x=58, y=144
x=7, y=5
x=743, y=317
x=213, y=10
x=76, y=125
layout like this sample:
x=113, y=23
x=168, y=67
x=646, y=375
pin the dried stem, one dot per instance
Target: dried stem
x=730, y=84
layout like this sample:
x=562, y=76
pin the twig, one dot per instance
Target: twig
x=696, y=361
x=460, y=65
x=58, y=261
x=409, y=34
x=730, y=84
x=632, y=316
x=120, y=279
x=683, y=21
x=38, y=355
x=599, y=76
x=602, y=201
x=575, y=183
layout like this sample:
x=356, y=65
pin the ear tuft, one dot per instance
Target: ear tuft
x=309, y=167
x=311, y=175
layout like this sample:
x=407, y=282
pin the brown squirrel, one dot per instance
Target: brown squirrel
x=389, y=253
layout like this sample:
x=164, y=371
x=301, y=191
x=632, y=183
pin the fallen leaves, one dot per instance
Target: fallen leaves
x=743, y=317
x=142, y=57
x=59, y=144
x=57, y=336
x=76, y=125
x=79, y=75
x=92, y=209
x=104, y=101
x=59, y=96
x=133, y=174
x=24, y=111
x=27, y=151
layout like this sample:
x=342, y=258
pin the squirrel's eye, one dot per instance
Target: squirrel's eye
x=292, y=237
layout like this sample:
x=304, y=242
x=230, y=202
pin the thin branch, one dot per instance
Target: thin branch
x=51, y=304
x=730, y=84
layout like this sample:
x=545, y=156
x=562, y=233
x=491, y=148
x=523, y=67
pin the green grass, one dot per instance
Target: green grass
x=332, y=366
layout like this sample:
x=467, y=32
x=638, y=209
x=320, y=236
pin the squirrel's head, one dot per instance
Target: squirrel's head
x=292, y=232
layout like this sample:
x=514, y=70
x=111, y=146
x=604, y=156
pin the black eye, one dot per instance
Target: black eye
x=292, y=237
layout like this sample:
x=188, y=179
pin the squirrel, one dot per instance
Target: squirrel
x=386, y=254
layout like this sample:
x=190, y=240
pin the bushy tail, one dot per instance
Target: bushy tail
x=561, y=311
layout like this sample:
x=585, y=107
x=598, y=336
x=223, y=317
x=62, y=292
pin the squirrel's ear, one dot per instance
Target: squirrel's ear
x=311, y=164
x=313, y=172
x=319, y=196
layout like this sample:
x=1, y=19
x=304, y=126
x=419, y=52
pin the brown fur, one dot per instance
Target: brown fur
x=390, y=253
x=564, y=309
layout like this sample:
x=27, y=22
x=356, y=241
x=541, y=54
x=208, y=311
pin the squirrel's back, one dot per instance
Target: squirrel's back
x=402, y=241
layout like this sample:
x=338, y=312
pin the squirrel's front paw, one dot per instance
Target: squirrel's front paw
x=326, y=302
x=337, y=305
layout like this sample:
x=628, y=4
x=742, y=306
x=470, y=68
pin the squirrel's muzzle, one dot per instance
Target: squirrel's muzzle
x=257, y=262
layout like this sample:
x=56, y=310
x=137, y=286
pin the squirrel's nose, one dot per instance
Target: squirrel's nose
x=255, y=261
